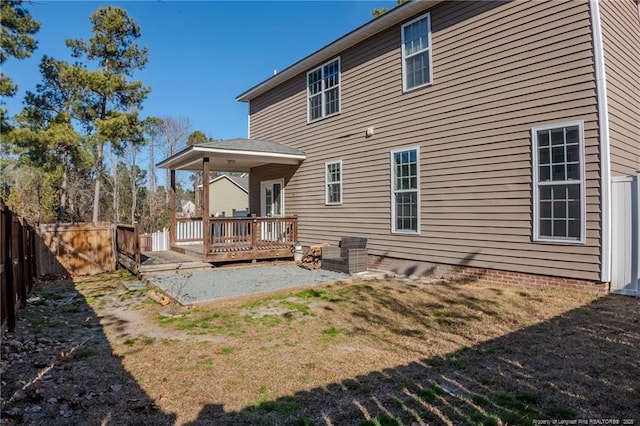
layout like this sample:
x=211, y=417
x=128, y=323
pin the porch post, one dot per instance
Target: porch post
x=172, y=209
x=206, y=227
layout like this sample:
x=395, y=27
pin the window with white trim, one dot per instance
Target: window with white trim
x=323, y=91
x=333, y=182
x=416, y=53
x=559, y=181
x=405, y=182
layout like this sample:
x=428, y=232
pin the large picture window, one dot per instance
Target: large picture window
x=558, y=173
x=416, y=53
x=323, y=91
x=405, y=182
x=333, y=183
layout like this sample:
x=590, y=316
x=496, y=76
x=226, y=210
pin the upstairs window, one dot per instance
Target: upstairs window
x=323, y=91
x=405, y=182
x=333, y=181
x=416, y=53
x=558, y=175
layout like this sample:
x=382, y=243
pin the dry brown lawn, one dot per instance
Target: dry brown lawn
x=365, y=353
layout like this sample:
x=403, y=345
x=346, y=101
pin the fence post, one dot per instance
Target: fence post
x=254, y=232
x=22, y=264
x=8, y=262
x=34, y=259
x=136, y=239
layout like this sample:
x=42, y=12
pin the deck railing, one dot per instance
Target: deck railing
x=252, y=233
x=241, y=237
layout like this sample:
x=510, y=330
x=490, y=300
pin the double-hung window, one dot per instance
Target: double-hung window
x=559, y=180
x=333, y=182
x=416, y=53
x=405, y=189
x=323, y=91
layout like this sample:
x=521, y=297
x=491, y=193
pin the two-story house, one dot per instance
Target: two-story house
x=482, y=139
x=463, y=137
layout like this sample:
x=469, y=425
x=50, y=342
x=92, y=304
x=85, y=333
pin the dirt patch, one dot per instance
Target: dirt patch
x=385, y=352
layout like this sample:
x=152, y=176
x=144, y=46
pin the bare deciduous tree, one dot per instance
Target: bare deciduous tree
x=175, y=133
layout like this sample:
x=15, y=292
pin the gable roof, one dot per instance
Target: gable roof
x=233, y=155
x=389, y=19
x=241, y=182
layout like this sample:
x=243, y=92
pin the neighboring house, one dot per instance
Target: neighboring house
x=474, y=138
x=228, y=196
x=186, y=208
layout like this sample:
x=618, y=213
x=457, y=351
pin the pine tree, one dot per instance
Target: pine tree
x=111, y=102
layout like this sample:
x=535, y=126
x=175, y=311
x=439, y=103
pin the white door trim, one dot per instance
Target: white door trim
x=263, y=189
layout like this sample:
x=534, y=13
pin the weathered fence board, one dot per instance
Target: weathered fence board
x=128, y=247
x=17, y=265
x=76, y=249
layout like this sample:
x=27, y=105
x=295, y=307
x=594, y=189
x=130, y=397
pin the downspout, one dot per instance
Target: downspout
x=605, y=154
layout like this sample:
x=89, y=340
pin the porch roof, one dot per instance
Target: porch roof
x=233, y=155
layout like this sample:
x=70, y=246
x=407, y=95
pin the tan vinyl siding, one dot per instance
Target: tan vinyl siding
x=621, y=37
x=499, y=69
x=225, y=197
x=270, y=172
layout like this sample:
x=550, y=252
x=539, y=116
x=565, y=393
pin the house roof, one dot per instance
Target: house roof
x=241, y=182
x=233, y=155
x=391, y=18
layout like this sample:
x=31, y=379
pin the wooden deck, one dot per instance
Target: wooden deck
x=238, y=238
x=228, y=240
x=170, y=260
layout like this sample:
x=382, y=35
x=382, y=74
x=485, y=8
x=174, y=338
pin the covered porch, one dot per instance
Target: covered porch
x=270, y=235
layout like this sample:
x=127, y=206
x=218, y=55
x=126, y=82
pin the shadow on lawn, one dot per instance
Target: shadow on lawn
x=61, y=369
x=584, y=364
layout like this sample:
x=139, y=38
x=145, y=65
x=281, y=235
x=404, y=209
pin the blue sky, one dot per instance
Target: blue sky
x=202, y=54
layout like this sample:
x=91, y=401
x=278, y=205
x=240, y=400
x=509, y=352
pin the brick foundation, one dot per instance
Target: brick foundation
x=425, y=269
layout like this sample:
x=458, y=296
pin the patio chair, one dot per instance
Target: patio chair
x=349, y=257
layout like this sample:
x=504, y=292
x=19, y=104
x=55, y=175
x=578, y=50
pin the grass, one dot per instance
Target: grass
x=333, y=331
x=379, y=353
x=227, y=350
x=285, y=406
x=481, y=419
x=142, y=339
x=430, y=393
x=83, y=351
x=383, y=420
x=208, y=362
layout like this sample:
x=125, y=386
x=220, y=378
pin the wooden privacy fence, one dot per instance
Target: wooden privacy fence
x=76, y=249
x=128, y=247
x=17, y=265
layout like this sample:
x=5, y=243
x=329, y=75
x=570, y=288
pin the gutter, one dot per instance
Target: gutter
x=392, y=17
x=605, y=152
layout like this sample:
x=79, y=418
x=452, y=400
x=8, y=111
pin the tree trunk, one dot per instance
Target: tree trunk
x=96, y=194
x=116, y=194
x=134, y=193
x=62, y=210
x=152, y=187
